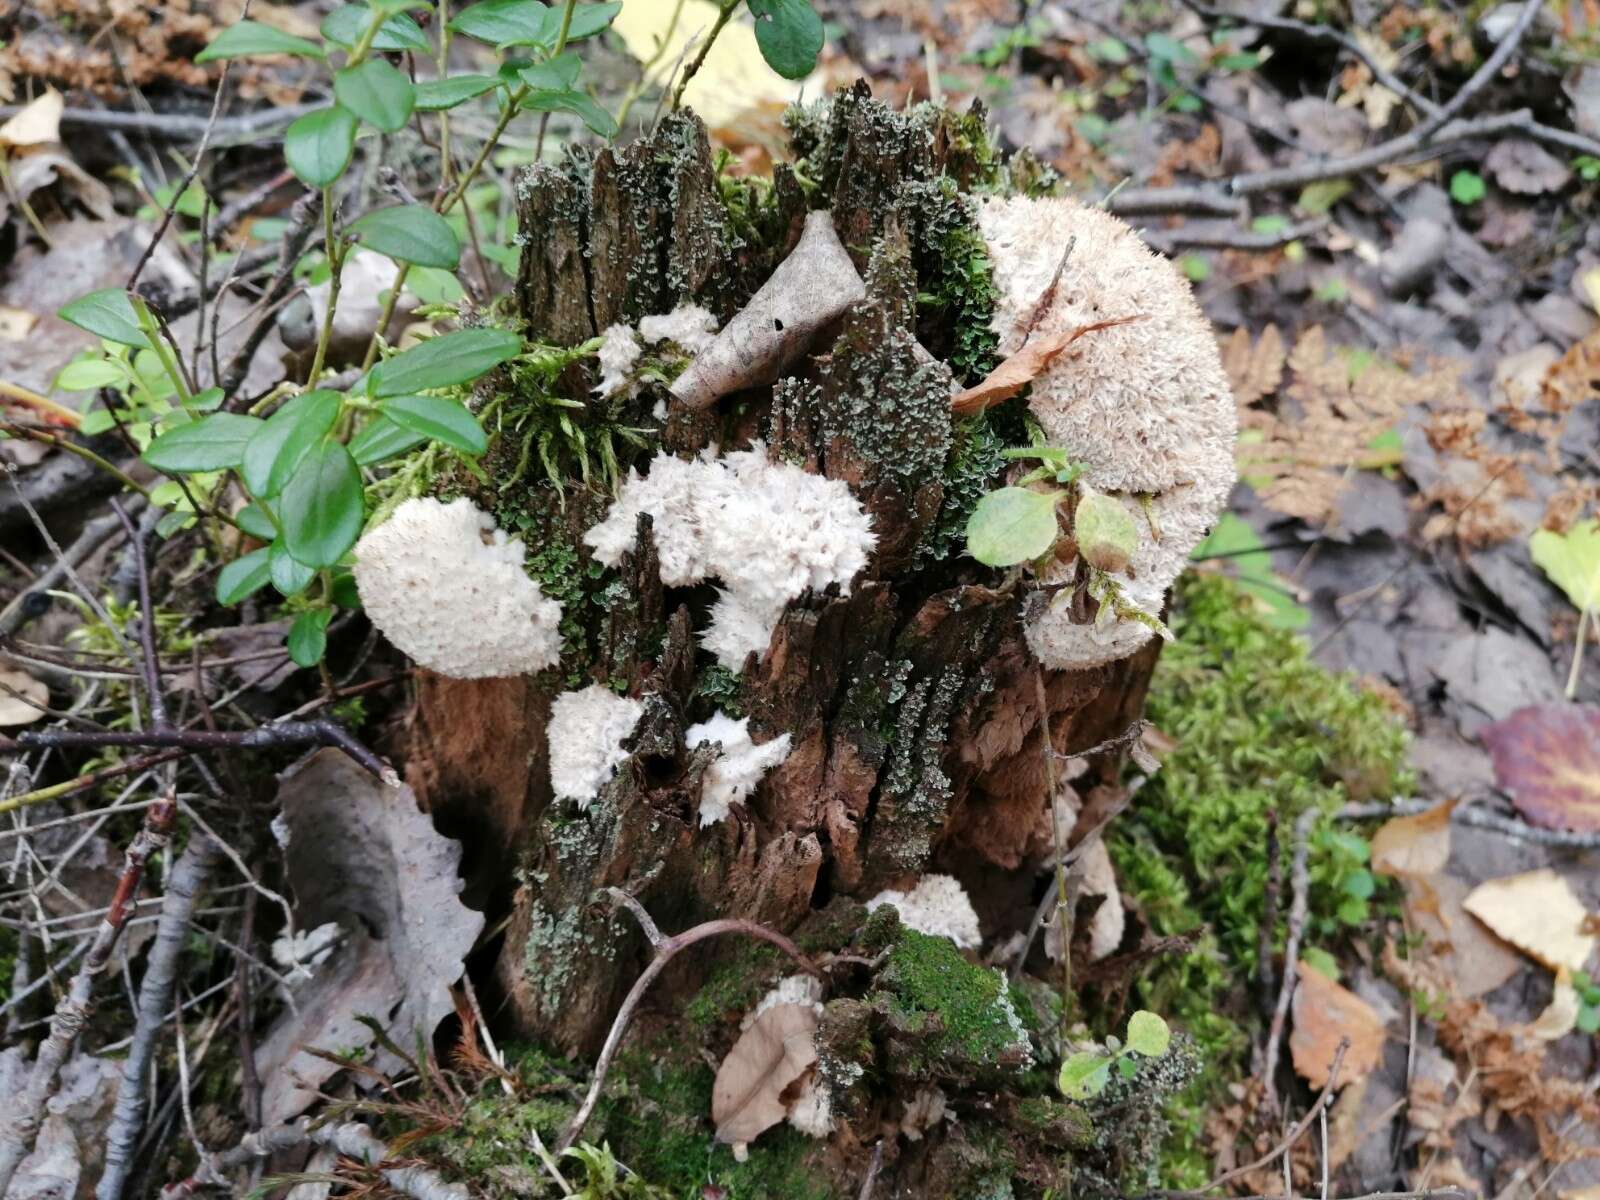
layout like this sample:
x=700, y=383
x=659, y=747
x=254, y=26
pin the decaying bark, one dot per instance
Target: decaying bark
x=918, y=740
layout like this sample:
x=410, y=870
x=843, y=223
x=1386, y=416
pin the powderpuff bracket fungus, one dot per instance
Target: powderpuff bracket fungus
x=1144, y=404
x=446, y=586
x=586, y=731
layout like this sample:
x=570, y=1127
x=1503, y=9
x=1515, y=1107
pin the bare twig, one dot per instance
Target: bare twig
x=76, y=1007
x=176, y=126
x=873, y=1168
x=155, y=998
x=665, y=948
x=1299, y=906
x=1468, y=815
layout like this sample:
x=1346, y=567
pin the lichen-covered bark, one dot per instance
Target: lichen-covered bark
x=918, y=735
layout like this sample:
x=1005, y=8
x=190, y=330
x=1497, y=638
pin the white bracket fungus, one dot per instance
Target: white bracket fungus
x=767, y=530
x=1145, y=405
x=586, y=731
x=448, y=588
x=738, y=767
x=621, y=346
x=937, y=906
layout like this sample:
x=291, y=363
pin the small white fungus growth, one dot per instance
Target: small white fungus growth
x=619, y=351
x=937, y=906
x=923, y=1111
x=691, y=326
x=791, y=989
x=586, y=732
x=738, y=768
x=447, y=587
x=307, y=949
x=812, y=1110
x=1145, y=405
x=767, y=530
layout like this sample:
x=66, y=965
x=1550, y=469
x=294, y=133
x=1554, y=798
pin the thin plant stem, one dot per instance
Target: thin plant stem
x=58, y=413
x=1586, y=618
x=649, y=65
x=693, y=68
x=83, y=452
x=330, y=240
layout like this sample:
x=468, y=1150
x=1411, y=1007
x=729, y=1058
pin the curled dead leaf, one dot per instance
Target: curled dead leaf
x=1023, y=367
x=22, y=698
x=1539, y=914
x=1560, y=1016
x=755, y=1083
x=1476, y=961
x=810, y=288
x=1325, y=1013
x=1414, y=846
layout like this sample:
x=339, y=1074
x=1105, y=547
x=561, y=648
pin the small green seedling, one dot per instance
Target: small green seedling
x=1588, y=1002
x=1085, y=1074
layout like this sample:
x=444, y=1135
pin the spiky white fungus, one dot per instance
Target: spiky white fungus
x=923, y=1111
x=1146, y=405
x=306, y=949
x=812, y=1110
x=738, y=767
x=619, y=351
x=689, y=325
x=767, y=530
x=938, y=906
x=447, y=587
x=586, y=731
x=791, y=989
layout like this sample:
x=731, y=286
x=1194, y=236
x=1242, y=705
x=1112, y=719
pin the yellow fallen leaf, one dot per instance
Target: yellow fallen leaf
x=21, y=708
x=37, y=124
x=733, y=80
x=1560, y=1015
x=1591, y=286
x=1326, y=1013
x=16, y=323
x=1414, y=846
x=1539, y=914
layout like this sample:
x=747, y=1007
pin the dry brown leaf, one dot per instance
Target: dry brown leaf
x=1416, y=845
x=1436, y=1098
x=1539, y=914
x=1023, y=367
x=776, y=1052
x=1476, y=961
x=1255, y=369
x=37, y=124
x=23, y=708
x=1326, y=1013
x=1301, y=455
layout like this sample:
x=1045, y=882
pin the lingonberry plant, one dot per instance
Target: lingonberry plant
x=306, y=457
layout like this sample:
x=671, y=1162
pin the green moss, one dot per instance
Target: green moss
x=734, y=987
x=970, y=471
x=955, y=1020
x=1259, y=727
x=956, y=293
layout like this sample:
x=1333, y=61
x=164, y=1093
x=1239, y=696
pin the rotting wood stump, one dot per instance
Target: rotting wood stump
x=913, y=703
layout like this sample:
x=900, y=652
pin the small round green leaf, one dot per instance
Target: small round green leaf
x=1467, y=187
x=1148, y=1035
x=436, y=94
x=1106, y=533
x=554, y=74
x=285, y=439
x=289, y=576
x=345, y=25
x=308, y=637
x=87, y=374
x=439, y=418
x=503, y=22
x=383, y=439
x=443, y=361
x=789, y=34
x=107, y=313
x=253, y=519
x=595, y=117
x=318, y=146
x=411, y=233
x=245, y=39
x=1012, y=525
x=377, y=93
x=242, y=577
x=212, y=443
x=1084, y=1075
x=322, y=507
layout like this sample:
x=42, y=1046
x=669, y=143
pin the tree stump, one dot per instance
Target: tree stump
x=920, y=724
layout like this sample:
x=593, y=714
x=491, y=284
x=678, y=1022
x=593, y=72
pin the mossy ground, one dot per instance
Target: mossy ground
x=1260, y=728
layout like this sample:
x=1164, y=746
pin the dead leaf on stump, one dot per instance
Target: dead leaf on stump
x=1023, y=367
x=754, y=1086
x=1324, y=1015
x=1539, y=914
x=1415, y=846
x=1547, y=759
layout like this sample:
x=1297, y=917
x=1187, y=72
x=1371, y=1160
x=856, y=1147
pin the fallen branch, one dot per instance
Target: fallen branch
x=176, y=126
x=155, y=999
x=666, y=948
x=77, y=1006
x=1478, y=819
x=348, y=1138
x=1167, y=240
x=1299, y=906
